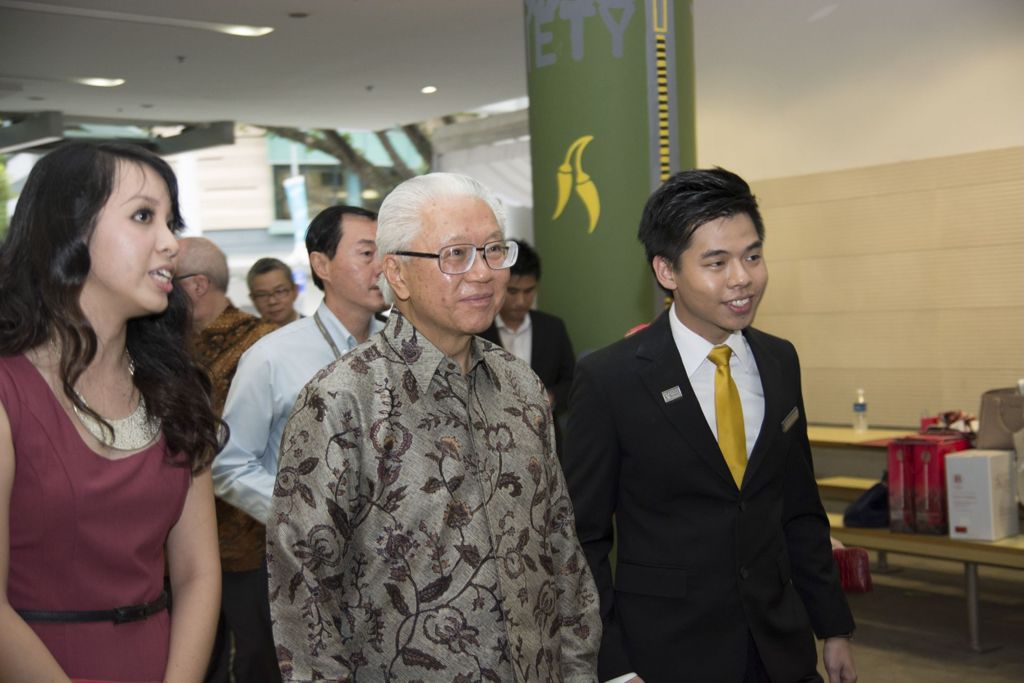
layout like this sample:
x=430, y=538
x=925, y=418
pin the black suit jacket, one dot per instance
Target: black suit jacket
x=551, y=356
x=700, y=563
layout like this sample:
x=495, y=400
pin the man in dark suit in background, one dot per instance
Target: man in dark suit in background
x=537, y=337
x=691, y=433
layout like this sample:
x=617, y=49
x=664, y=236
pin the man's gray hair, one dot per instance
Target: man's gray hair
x=203, y=257
x=401, y=214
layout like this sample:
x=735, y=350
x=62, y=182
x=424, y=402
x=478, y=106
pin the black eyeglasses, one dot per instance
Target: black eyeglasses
x=456, y=259
x=276, y=293
x=179, y=278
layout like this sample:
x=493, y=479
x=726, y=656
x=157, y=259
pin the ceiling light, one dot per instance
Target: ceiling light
x=245, y=31
x=371, y=194
x=428, y=89
x=93, y=81
x=100, y=82
x=230, y=29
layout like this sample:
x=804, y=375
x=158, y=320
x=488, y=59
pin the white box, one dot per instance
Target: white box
x=981, y=491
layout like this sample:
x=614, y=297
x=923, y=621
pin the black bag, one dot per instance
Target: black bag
x=871, y=509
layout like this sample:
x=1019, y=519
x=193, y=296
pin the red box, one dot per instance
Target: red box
x=901, y=485
x=917, y=482
x=929, y=457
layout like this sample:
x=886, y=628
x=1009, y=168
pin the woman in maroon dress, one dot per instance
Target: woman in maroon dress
x=106, y=430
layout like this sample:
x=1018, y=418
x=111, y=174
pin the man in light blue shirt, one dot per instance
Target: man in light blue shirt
x=344, y=263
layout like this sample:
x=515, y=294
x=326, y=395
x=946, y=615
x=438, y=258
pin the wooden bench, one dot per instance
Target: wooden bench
x=1008, y=552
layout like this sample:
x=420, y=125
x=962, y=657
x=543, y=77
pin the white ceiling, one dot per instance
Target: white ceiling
x=352, y=64
x=783, y=87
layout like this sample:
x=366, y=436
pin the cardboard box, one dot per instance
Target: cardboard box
x=982, y=494
x=901, y=492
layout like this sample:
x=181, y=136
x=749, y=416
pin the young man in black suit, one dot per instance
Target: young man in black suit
x=724, y=567
x=537, y=337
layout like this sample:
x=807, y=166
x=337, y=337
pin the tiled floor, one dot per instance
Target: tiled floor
x=913, y=626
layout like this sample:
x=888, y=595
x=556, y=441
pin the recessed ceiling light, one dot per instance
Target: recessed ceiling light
x=100, y=82
x=371, y=194
x=244, y=31
x=428, y=89
x=230, y=29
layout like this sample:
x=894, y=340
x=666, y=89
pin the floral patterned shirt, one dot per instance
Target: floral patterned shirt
x=421, y=529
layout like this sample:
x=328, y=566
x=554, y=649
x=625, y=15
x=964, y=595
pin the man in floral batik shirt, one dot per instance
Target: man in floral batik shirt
x=420, y=527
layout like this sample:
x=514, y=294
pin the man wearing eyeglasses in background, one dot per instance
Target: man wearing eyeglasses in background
x=344, y=264
x=272, y=290
x=420, y=527
x=221, y=334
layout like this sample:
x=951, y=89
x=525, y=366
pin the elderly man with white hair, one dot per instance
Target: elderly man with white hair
x=420, y=526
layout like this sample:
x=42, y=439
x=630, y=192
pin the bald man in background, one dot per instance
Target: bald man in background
x=222, y=333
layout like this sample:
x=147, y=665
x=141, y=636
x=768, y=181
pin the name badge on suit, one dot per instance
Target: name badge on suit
x=790, y=419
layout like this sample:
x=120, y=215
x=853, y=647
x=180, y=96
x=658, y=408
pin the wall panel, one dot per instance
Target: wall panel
x=905, y=279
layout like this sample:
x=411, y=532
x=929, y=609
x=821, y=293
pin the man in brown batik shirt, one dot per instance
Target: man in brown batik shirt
x=222, y=334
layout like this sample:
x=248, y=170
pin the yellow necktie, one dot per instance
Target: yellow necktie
x=732, y=438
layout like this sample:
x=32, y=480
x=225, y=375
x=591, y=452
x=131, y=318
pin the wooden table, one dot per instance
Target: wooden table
x=841, y=451
x=847, y=437
x=1008, y=552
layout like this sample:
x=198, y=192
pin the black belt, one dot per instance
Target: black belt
x=118, y=615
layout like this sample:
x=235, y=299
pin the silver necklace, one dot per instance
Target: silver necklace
x=130, y=433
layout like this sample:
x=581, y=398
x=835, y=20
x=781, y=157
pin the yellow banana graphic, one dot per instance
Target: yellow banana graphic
x=565, y=175
x=585, y=187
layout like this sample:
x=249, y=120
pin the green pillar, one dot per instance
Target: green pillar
x=611, y=116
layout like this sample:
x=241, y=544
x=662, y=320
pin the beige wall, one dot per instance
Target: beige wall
x=905, y=279
x=791, y=88
x=228, y=186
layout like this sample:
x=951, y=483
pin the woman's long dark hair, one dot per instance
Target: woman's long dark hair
x=44, y=262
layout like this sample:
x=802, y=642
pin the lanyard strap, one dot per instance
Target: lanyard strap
x=326, y=335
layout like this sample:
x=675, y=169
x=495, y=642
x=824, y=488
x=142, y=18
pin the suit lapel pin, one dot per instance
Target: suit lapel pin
x=673, y=394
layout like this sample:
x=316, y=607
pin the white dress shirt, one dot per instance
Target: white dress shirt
x=517, y=342
x=693, y=351
x=269, y=378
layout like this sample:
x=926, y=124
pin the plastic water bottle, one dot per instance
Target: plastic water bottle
x=860, y=413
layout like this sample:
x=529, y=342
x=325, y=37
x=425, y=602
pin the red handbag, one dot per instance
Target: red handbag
x=854, y=569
